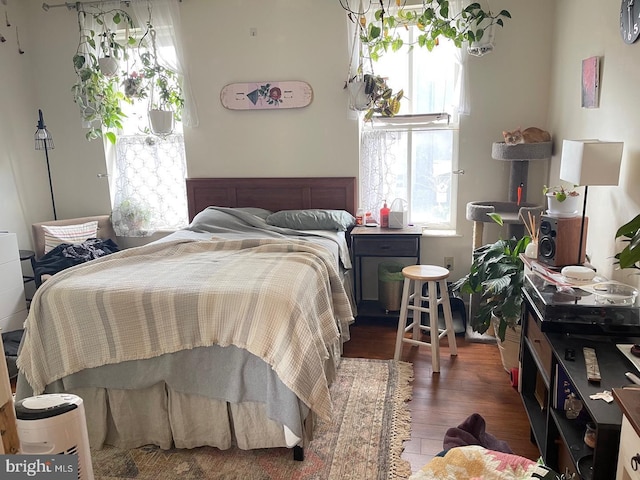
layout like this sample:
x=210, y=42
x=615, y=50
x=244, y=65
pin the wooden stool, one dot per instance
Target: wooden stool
x=416, y=276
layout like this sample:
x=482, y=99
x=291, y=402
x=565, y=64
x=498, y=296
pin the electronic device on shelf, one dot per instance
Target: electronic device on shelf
x=575, y=310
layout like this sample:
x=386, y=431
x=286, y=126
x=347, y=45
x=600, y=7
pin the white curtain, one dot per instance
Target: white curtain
x=164, y=15
x=147, y=184
x=379, y=146
x=377, y=162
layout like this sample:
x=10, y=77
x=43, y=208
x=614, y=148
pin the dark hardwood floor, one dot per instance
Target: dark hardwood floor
x=472, y=382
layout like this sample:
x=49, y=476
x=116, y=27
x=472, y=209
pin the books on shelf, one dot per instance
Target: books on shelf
x=562, y=388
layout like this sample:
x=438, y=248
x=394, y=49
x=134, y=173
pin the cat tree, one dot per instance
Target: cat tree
x=512, y=211
x=516, y=207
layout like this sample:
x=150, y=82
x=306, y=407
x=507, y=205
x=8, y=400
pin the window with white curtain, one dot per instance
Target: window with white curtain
x=413, y=155
x=147, y=172
x=147, y=176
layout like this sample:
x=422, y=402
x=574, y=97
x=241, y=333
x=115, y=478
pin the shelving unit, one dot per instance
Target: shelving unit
x=561, y=440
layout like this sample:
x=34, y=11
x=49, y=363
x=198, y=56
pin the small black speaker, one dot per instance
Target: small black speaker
x=559, y=241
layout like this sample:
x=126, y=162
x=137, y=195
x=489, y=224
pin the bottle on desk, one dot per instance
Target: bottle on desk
x=384, y=215
x=360, y=217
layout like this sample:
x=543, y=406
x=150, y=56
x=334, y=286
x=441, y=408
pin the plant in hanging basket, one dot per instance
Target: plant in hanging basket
x=134, y=86
x=433, y=18
x=96, y=91
x=378, y=97
x=164, y=85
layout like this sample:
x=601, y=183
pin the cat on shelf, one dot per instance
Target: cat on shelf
x=528, y=135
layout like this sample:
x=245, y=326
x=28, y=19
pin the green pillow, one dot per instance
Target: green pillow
x=339, y=220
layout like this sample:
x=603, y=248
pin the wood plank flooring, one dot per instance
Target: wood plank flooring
x=472, y=382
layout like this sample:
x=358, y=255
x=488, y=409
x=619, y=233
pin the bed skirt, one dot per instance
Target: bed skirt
x=160, y=416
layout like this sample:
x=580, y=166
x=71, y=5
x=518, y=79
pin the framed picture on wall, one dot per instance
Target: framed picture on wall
x=590, y=82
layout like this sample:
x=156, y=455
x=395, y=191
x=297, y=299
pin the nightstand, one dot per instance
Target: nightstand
x=381, y=242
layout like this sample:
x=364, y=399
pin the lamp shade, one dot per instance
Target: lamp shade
x=591, y=162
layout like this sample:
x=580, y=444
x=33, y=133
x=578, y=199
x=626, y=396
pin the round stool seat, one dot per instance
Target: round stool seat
x=425, y=289
x=425, y=273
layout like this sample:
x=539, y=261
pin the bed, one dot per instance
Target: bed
x=228, y=332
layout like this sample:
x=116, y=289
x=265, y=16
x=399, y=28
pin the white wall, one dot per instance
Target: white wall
x=532, y=78
x=616, y=118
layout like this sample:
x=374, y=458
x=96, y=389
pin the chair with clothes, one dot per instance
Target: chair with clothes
x=49, y=235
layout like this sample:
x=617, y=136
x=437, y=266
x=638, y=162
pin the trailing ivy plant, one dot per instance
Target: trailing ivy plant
x=97, y=95
x=433, y=18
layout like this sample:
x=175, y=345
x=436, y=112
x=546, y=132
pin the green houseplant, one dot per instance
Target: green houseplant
x=374, y=96
x=384, y=31
x=497, y=275
x=96, y=92
x=432, y=17
x=562, y=199
x=629, y=257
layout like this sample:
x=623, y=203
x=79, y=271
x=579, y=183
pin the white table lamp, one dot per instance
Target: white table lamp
x=590, y=163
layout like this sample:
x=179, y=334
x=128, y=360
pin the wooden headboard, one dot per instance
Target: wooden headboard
x=295, y=193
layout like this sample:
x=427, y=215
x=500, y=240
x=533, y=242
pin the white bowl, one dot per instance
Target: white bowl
x=615, y=293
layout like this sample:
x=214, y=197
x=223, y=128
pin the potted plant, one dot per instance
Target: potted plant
x=562, y=200
x=371, y=93
x=432, y=17
x=131, y=218
x=384, y=32
x=497, y=275
x=166, y=99
x=629, y=257
x=96, y=91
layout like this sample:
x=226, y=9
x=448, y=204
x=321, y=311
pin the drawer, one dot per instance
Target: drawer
x=540, y=344
x=629, y=448
x=386, y=247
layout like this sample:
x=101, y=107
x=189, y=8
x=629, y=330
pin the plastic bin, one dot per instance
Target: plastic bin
x=390, y=281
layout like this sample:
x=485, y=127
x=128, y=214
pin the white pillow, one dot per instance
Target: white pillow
x=54, y=235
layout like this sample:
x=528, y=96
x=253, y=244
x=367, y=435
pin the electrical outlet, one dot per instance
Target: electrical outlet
x=448, y=263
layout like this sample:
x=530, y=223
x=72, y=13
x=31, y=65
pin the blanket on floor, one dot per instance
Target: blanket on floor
x=475, y=462
x=472, y=432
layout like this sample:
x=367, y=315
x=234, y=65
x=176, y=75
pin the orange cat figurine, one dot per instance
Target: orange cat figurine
x=528, y=135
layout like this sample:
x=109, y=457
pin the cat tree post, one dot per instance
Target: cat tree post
x=517, y=207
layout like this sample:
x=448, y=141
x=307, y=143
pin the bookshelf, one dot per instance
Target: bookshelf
x=552, y=366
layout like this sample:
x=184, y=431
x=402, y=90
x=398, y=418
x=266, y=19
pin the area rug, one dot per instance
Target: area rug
x=362, y=441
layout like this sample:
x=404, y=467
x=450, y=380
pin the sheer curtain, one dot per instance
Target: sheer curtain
x=147, y=173
x=147, y=184
x=384, y=170
x=164, y=15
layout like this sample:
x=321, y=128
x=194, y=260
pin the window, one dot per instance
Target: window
x=412, y=156
x=147, y=174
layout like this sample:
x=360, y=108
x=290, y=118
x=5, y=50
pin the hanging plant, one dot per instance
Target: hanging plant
x=433, y=18
x=96, y=91
x=166, y=99
x=383, y=33
x=373, y=95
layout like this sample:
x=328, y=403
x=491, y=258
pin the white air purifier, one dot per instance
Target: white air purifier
x=55, y=424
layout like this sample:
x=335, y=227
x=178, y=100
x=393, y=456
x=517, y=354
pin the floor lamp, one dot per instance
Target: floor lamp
x=590, y=163
x=44, y=141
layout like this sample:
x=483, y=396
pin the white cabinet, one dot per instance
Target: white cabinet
x=629, y=456
x=13, y=307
